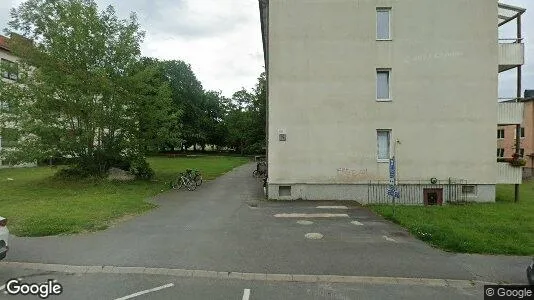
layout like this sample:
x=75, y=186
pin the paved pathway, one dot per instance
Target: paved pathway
x=225, y=226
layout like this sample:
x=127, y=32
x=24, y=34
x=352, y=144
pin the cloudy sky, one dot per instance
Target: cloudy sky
x=221, y=39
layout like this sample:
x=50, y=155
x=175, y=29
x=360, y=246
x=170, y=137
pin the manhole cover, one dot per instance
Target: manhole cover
x=304, y=222
x=314, y=236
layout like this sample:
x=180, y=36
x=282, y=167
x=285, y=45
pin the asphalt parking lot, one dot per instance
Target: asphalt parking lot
x=226, y=227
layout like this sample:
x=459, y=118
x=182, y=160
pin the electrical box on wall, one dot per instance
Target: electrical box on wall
x=282, y=136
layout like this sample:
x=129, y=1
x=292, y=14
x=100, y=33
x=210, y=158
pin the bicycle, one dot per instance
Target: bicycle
x=195, y=176
x=184, y=180
x=261, y=169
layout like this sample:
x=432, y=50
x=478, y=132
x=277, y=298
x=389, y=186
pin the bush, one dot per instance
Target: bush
x=141, y=169
x=518, y=162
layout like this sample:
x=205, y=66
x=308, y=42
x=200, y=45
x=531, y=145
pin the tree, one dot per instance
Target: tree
x=159, y=117
x=84, y=90
x=188, y=96
x=245, y=119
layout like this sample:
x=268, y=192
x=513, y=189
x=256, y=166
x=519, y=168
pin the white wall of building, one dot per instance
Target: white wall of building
x=323, y=56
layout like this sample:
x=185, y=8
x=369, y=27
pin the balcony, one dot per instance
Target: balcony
x=507, y=174
x=510, y=113
x=511, y=54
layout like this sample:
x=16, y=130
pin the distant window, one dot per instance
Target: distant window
x=500, y=133
x=522, y=132
x=383, y=23
x=469, y=189
x=10, y=69
x=500, y=152
x=383, y=88
x=383, y=141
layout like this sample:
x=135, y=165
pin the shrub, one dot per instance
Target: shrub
x=518, y=162
x=141, y=169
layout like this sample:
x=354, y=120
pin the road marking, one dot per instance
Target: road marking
x=313, y=236
x=388, y=239
x=356, y=223
x=246, y=294
x=307, y=216
x=229, y=275
x=332, y=207
x=304, y=222
x=146, y=292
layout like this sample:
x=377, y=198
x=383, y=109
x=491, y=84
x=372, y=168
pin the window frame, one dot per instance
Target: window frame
x=390, y=14
x=11, y=70
x=390, y=76
x=503, y=134
x=389, y=135
x=521, y=132
x=499, y=151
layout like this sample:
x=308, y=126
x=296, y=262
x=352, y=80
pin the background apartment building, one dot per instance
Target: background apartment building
x=353, y=83
x=506, y=135
x=9, y=74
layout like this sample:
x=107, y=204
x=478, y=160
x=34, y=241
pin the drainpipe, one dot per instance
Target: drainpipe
x=518, y=127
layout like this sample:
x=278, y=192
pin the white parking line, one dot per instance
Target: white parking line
x=356, y=223
x=332, y=207
x=246, y=294
x=388, y=239
x=307, y=216
x=146, y=292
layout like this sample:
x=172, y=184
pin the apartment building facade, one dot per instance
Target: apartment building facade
x=9, y=74
x=352, y=84
x=506, y=137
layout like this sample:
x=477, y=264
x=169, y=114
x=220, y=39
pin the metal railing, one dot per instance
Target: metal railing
x=412, y=192
x=511, y=41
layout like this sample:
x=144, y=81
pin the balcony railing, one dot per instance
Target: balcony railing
x=507, y=174
x=510, y=113
x=511, y=53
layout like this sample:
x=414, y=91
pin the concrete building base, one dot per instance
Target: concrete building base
x=412, y=194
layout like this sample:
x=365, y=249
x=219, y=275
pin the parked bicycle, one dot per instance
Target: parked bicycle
x=191, y=179
x=195, y=176
x=261, y=169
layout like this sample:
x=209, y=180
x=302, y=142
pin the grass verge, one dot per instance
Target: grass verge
x=36, y=204
x=503, y=227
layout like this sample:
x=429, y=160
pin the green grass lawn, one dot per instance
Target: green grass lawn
x=36, y=204
x=503, y=227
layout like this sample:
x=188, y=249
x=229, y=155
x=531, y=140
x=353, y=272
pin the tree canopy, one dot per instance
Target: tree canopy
x=84, y=93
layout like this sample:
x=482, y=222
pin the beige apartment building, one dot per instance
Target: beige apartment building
x=353, y=83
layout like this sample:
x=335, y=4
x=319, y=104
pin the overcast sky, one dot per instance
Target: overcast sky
x=221, y=39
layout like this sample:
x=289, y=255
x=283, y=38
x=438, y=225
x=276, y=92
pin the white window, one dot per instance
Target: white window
x=383, y=24
x=500, y=152
x=10, y=69
x=500, y=133
x=383, y=144
x=383, y=85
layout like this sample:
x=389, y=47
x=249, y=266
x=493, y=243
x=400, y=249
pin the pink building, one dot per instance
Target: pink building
x=506, y=137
